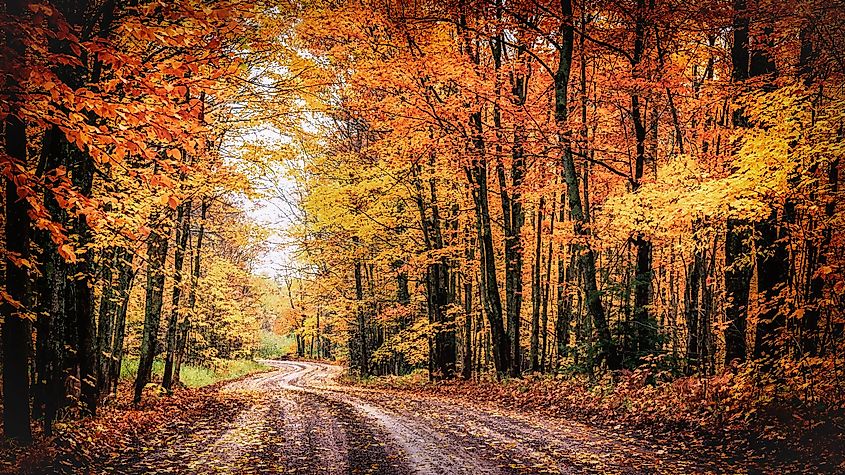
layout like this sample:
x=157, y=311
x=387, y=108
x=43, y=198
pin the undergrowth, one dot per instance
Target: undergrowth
x=197, y=376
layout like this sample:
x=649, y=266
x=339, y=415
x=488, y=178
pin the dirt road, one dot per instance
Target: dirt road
x=298, y=419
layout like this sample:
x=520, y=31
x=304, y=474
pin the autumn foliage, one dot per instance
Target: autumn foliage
x=120, y=204
x=576, y=190
x=497, y=187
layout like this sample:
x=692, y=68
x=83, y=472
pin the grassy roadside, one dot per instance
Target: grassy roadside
x=197, y=376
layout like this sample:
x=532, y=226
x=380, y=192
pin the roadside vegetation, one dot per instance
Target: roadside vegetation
x=196, y=376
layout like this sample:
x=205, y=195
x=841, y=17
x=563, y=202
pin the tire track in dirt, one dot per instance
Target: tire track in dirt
x=299, y=419
x=451, y=437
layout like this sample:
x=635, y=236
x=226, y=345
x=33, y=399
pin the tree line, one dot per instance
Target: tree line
x=501, y=187
x=121, y=198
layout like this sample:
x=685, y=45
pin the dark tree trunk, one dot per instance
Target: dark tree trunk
x=16, y=329
x=477, y=177
x=737, y=245
x=693, y=308
x=126, y=276
x=403, y=297
x=512, y=211
x=466, y=369
x=772, y=274
x=157, y=245
x=586, y=257
x=817, y=258
x=737, y=282
x=360, y=314
x=772, y=259
x=444, y=339
x=185, y=325
x=80, y=304
x=56, y=335
x=439, y=285
x=565, y=275
x=477, y=174
x=645, y=327
x=105, y=330
x=183, y=232
x=544, y=317
x=536, y=284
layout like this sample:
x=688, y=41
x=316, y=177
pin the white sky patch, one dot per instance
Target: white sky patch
x=275, y=207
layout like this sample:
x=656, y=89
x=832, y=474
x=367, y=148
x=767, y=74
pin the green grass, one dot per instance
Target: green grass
x=196, y=376
x=274, y=346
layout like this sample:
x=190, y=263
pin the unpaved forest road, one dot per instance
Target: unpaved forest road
x=297, y=419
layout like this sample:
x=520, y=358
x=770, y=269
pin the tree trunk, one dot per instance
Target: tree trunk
x=157, y=245
x=56, y=336
x=183, y=232
x=466, y=369
x=500, y=340
x=512, y=212
x=105, y=324
x=16, y=329
x=363, y=363
x=544, y=316
x=693, y=308
x=476, y=174
x=185, y=325
x=645, y=334
x=737, y=247
x=586, y=257
x=773, y=272
x=817, y=258
x=536, y=295
x=80, y=305
x=126, y=276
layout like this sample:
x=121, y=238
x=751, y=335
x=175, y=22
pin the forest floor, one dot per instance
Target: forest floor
x=299, y=418
x=303, y=417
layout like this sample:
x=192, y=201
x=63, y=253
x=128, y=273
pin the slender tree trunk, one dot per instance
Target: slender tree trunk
x=512, y=210
x=157, y=245
x=737, y=245
x=363, y=364
x=477, y=176
x=565, y=271
x=319, y=343
x=772, y=259
x=645, y=327
x=466, y=369
x=105, y=324
x=773, y=272
x=185, y=326
x=500, y=340
x=445, y=348
x=183, y=232
x=693, y=307
x=536, y=295
x=126, y=276
x=817, y=257
x=586, y=256
x=544, y=317
x=80, y=305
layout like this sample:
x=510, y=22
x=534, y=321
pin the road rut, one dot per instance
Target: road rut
x=298, y=418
